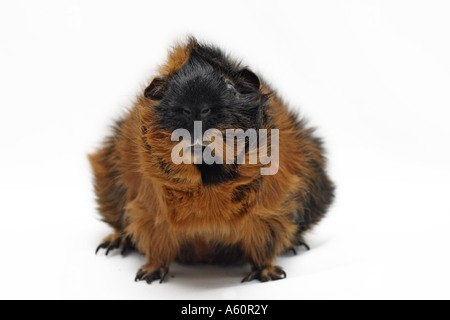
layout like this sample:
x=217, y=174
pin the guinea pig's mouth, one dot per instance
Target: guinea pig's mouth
x=200, y=150
x=197, y=148
x=198, y=144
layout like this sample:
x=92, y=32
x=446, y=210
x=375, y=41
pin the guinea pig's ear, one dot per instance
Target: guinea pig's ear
x=249, y=81
x=156, y=89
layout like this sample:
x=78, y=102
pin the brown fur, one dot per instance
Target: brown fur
x=169, y=214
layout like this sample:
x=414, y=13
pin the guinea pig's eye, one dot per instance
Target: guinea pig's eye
x=206, y=111
x=187, y=111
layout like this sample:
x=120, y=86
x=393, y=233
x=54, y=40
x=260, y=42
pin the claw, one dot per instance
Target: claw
x=293, y=251
x=163, y=277
x=153, y=276
x=114, y=245
x=139, y=276
x=248, y=278
x=128, y=246
x=108, y=250
x=304, y=245
x=102, y=246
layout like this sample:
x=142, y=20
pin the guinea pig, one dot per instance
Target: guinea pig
x=175, y=186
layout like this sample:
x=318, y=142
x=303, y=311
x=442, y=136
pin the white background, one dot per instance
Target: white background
x=373, y=76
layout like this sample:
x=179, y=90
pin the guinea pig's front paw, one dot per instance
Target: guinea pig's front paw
x=265, y=274
x=150, y=274
x=116, y=241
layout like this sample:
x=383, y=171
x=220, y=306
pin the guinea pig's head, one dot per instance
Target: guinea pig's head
x=211, y=90
x=205, y=91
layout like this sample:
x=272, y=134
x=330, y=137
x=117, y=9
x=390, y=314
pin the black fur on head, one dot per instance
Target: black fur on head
x=208, y=88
